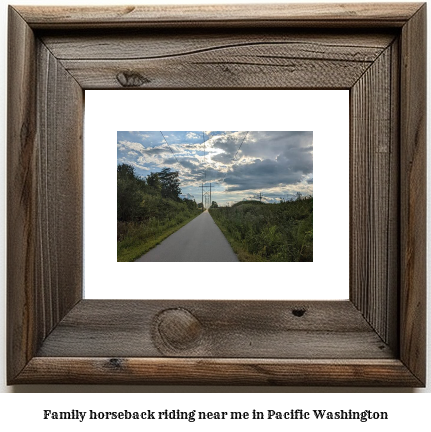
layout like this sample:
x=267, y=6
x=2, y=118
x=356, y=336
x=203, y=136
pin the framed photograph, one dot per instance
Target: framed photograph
x=376, y=337
x=256, y=186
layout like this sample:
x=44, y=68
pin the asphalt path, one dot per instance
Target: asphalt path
x=199, y=241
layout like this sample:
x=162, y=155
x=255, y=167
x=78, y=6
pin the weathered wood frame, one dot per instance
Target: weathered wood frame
x=377, y=338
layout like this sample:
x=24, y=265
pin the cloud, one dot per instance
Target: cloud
x=277, y=163
x=127, y=145
x=188, y=162
x=192, y=135
x=260, y=175
x=155, y=151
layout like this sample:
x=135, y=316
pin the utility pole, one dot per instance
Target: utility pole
x=205, y=194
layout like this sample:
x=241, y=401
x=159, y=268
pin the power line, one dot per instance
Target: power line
x=208, y=135
x=204, y=177
x=210, y=186
x=169, y=147
x=239, y=148
x=203, y=142
x=242, y=142
x=233, y=159
x=173, y=154
x=205, y=168
x=205, y=193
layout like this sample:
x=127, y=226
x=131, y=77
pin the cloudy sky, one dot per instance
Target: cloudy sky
x=238, y=164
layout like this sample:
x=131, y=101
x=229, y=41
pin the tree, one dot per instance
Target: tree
x=214, y=204
x=170, y=183
x=153, y=181
x=130, y=189
x=191, y=204
x=125, y=171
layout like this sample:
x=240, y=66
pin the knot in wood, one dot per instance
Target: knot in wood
x=178, y=328
x=298, y=312
x=131, y=79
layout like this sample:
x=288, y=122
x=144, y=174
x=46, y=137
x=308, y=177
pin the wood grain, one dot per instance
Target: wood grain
x=228, y=70
x=262, y=66
x=413, y=194
x=217, y=371
x=21, y=194
x=45, y=105
x=253, y=15
x=141, y=44
x=59, y=180
x=240, y=329
x=392, y=304
x=373, y=193
x=193, y=59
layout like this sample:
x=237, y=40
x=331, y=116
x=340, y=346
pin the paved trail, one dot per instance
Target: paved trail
x=199, y=241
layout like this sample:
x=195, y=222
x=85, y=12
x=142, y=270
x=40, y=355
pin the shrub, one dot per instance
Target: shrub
x=270, y=232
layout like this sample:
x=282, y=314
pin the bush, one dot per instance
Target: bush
x=148, y=210
x=270, y=232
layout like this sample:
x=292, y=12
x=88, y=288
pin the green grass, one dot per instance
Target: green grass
x=137, y=238
x=269, y=232
x=237, y=246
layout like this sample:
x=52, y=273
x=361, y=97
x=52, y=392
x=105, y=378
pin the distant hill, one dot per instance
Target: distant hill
x=254, y=202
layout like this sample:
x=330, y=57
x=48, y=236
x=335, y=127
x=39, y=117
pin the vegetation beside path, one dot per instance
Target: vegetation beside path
x=268, y=232
x=148, y=210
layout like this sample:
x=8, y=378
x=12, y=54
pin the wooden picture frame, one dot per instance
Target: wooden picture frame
x=376, y=338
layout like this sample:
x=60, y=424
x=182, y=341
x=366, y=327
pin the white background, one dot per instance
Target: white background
x=25, y=410
x=324, y=112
